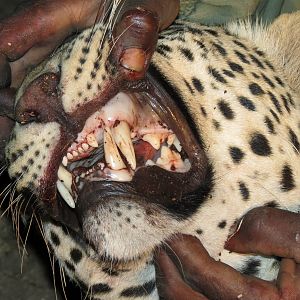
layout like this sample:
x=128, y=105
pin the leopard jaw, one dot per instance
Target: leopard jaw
x=119, y=125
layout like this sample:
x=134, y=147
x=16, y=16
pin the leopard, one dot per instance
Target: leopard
x=210, y=133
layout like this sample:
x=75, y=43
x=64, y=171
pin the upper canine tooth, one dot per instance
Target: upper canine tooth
x=65, y=194
x=122, y=136
x=91, y=139
x=153, y=139
x=112, y=155
x=65, y=176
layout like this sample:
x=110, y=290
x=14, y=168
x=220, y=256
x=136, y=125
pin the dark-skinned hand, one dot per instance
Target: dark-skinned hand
x=190, y=273
x=38, y=27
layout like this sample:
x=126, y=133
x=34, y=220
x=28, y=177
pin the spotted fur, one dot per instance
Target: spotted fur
x=244, y=107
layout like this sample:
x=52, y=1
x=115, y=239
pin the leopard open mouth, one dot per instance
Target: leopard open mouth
x=116, y=141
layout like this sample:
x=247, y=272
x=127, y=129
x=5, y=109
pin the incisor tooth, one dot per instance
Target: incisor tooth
x=122, y=137
x=153, y=139
x=65, y=194
x=112, y=155
x=85, y=146
x=65, y=176
x=75, y=153
x=91, y=139
x=69, y=156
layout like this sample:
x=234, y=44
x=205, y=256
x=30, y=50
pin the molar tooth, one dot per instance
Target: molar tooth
x=65, y=176
x=153, y=139
x=91, y=139
x=122, y=137
x=85, y=146
x=65, y=161
x=112, y=155
x=65, y=194
x=69, y=156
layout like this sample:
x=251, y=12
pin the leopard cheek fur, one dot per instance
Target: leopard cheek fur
x=238, y=99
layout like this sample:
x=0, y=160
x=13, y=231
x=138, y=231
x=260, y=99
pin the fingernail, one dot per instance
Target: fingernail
x=133, y=59
x=233, y=232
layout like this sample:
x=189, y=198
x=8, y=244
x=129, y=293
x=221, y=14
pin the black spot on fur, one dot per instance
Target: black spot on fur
x=292, y=102
x=236, y=67
x=269, y=65
x=110, y=272
x=197, y=85
x=255, y=89
x=188, y=86
x=236, y=154
x=216, y=125
x=286, y=103
x=212, y=32
x=259, y=52
x=226, y=110
x=242, y=57
x=260, y=145
x=199, y=231
x=76, y=255
x=220, y=49
x=79, y=70
x=272, y=204
x=54, y=238
x=244, y=190
x=216, y=75
x=203, y=111
x=269, y=124
x=257, y=61
x=279, y=81
x=88, y=85
x=247, y=103
x=139, y=291
x=251, y=267
x=100, y=288
x=85, y=50
x=187, y=53
x=69, y=266
x=287, y=179
x=222, y=224
x=255, y=75
x=275, y=116
x=96, y=65
x=82, y=60
x=275, y=102
x=294, y=140
x=268, y=80
x=240, y=44
x=128, y=220
x=228, y=73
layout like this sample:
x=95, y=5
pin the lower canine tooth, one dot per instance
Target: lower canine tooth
x=65, y=194
x=65, y=161
x=91, y=139
x=65, y=176
x=122, y=137
x=112, y=155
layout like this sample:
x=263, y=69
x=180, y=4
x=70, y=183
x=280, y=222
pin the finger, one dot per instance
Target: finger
x=39, y=27
x=215, y=279
x=268, y=231
x=288, y=279
x=136, y=33
x=170, y=284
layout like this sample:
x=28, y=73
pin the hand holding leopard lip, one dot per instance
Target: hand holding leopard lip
x=38, y=27
x=266, y=231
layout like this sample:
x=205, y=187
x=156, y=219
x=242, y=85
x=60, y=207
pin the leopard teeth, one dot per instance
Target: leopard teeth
x=91, y=140
x=65, y=161
x=111, y=153
x=65, y=176
x=65, y=194
x=122, y=136
x=153, y=139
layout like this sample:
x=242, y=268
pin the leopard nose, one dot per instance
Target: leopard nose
x=40, y=101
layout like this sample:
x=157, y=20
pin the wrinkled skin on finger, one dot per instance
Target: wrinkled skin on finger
x=268, y=231
x=188, y=269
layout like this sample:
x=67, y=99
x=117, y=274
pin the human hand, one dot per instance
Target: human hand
x=265, y=231
x=37, y=28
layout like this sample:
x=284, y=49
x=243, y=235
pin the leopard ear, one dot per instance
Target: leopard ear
x=7, y=97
